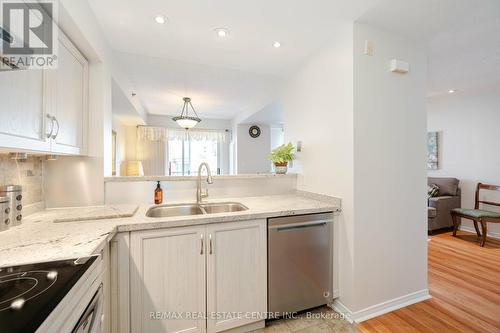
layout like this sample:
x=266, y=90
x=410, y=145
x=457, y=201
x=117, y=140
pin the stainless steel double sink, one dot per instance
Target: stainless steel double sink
x=195, y=209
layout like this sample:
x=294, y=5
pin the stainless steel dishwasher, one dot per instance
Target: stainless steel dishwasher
x=300, y=262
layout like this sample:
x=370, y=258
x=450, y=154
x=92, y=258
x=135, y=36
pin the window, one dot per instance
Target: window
x=176, y=152
x=185, y=155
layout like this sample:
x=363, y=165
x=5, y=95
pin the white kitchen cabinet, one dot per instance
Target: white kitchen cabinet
x=236, y=274
x=23, y=124
x=211, y=272
x=22, y=109
x=46, y=110
x=69, y=99
x=119, y=319
x=167, y=276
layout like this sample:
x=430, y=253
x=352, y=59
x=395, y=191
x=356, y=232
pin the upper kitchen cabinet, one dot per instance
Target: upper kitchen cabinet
x=69, y=99
x=23, y=123
x=46, y=110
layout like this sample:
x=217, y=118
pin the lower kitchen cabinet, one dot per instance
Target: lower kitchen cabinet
x=209, y=278
x=167, y=276
x=236, y=274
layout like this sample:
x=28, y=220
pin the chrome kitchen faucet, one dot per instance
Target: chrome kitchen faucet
x=200, y=193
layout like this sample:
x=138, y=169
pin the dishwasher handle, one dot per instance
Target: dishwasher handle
x=296, y=226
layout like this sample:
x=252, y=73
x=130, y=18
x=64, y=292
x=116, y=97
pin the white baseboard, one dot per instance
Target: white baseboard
x=381, y=308
x=342, y=309
x=248, y=327
x=471, y=229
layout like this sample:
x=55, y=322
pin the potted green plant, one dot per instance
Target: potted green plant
x=280, y=156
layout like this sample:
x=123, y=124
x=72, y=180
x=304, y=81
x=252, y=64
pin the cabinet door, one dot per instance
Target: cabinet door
x=168, y=279
x=22, y=110
x=71, y=85
x=119, y=318
x=236, y=273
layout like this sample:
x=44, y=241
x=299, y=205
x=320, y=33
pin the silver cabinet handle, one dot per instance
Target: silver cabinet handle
x=49, y=135
x=288, y=227
x=201, y=250
x=57, y=132
x=305, y=223
x=210, y=243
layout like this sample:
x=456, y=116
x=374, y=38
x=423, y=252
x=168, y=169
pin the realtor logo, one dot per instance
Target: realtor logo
x=29, y=34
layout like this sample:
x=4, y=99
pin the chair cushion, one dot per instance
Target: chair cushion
x=476, y=213
x=447, y=186
x=431, y=212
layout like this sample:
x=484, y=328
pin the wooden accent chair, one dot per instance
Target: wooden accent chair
x=476, y=214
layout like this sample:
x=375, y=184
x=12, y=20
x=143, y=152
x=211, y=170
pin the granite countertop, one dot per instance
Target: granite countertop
x=39, y=238
x=195, y=178
x=91, y=213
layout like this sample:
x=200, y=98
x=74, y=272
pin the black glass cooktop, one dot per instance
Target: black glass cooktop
x=29, y=293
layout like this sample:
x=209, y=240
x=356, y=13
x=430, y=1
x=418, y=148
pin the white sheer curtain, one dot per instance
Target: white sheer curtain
x=151, y=144
x=150, y=133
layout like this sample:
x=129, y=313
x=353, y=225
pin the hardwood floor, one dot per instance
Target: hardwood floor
x=464, y=282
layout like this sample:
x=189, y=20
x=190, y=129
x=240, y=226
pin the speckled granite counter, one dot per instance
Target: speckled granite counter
x=39, y=238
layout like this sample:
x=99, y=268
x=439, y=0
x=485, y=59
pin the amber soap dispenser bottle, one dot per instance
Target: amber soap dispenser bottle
x=158, y=194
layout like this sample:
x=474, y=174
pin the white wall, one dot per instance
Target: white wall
x=363, y=132
x=277, y=137
x=137, y=192
x=131, y=142
x=73, y=182
x=390, y=208
x=121, y=144
x=252, y=152
x=79, y=181
x=469, y=140
x=317, y=110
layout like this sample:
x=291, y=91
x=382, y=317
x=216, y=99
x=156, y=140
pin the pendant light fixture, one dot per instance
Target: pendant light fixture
x=184, y=120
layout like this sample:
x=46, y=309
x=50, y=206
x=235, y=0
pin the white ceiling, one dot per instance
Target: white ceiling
x=122, y=108
x=420, y=19
x=301, y=27
x=242, y=73
x=224, y=77
x=271, y=114
x=215, y=92
x=466, y=57
x=463, y=37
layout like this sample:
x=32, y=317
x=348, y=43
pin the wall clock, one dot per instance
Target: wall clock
x=254, y=131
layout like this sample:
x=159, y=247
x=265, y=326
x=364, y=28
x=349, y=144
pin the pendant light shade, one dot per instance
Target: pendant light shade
x=185, y=120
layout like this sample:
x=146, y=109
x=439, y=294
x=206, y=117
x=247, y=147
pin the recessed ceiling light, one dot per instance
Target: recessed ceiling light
x=161, y=19
x=276, y=44
x=452, y=91
x=222, y=32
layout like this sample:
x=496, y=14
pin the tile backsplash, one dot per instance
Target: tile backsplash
x=28, y=174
